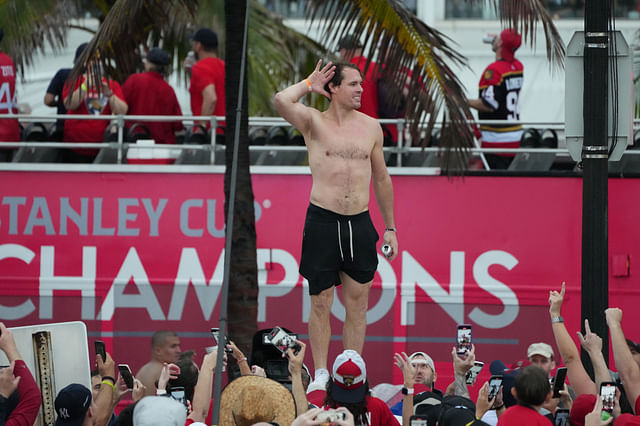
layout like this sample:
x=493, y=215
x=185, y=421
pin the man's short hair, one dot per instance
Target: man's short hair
x=456, y=410
x=349, y=42
x=540, y=349
x=160, y=337
x=339, y=76
x=79, y=51
x=532, y=386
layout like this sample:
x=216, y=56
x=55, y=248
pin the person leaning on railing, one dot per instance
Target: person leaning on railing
x=85, y=96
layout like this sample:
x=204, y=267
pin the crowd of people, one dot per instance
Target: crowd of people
x=144, y=93
x=147, y=93
x=173, y=390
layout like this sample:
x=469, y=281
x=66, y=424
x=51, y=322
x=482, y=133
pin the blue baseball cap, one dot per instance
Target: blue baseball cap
x=72, y=404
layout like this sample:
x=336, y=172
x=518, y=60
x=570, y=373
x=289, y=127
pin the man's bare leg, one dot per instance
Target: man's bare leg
x=356, y=302
x=319, y=327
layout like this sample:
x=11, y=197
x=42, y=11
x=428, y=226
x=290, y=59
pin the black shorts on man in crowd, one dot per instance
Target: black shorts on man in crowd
x=332, y=242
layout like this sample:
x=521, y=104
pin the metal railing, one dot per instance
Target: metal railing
x=401, y=149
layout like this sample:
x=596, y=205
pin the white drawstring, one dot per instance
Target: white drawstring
x=351, y=240
x=340, y=242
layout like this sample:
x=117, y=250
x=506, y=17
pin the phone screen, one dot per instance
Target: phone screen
x=418, y=421
x=216, y=335
x=558, y=381
x=494, y=386
x=125, y=372
x=463, y=338
x=472, y=374
x=608, y=393
x=562, y=416
x=100, y=349
x=177, y=393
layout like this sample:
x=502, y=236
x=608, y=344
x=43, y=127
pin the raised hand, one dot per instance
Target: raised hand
x=591, y=342
x=555, y=301
x=321, y=76
x=402, y=361
x=613, y=316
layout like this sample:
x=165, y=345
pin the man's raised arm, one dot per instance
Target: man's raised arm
x=286, y=101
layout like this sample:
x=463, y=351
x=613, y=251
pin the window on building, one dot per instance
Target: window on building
x=558, y=9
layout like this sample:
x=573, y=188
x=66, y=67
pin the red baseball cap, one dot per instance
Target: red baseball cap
x=511, y=41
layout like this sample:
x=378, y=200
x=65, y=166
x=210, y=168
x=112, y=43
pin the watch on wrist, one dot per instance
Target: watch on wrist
x=407, y=391
x=556, y=319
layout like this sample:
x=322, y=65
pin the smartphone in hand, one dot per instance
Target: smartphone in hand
x=463, y=339
x=100, y=349
x=125, y=373
x=177, y=393
x=561, y=417
x=472, y=374
x=558, y=381
x=216, y=335
x=608, y=394
x=494, y=386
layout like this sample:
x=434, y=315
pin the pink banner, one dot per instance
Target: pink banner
x=131, y=253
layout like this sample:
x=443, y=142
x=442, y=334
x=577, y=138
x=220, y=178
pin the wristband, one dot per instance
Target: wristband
x=107, y=382
x=390, y=229
x=244, y=358
x=407, y=391
x=306, y=80
x=556, y=319
x=161, y=392
x=108, y=378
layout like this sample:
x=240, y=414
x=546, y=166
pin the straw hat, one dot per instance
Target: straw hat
x=252, y=399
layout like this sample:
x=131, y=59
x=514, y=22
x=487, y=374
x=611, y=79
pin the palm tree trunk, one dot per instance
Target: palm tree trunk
x=243, y=285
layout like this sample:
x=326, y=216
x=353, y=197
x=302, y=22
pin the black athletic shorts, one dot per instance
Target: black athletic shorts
x=332, y=243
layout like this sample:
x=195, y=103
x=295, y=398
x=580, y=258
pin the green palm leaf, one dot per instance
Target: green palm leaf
x=29, y=25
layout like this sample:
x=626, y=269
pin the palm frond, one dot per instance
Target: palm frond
x=274, y=51
x=129, y=25
x=524, y=16
x=407, y=47
x=29, y=26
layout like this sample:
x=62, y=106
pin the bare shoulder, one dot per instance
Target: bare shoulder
x=372, y=125
x=150, y=369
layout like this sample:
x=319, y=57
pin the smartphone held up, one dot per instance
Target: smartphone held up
x=463, y=339
x=282, y=340
x=125, y=373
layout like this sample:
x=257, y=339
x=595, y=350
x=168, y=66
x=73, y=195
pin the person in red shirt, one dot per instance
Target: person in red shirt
x=9, y=128
x=531, y=390
x=20, y=396
x=83, y=97
x=207, y=78
x=350, y=49
x=348, y=387
x=147, y=93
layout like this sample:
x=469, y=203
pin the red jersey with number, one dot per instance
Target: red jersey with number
x=205, y=72
x=369, y=98
x=87, y=130
x=499, y=87
x=147, y=93
x=9, y=127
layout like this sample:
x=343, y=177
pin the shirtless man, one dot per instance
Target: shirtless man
x=165, y=347
x=339, y=240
